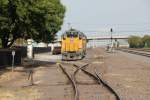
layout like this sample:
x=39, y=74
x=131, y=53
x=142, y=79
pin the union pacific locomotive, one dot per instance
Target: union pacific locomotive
x=73, y=45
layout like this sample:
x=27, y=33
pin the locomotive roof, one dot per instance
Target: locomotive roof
x=74, y=32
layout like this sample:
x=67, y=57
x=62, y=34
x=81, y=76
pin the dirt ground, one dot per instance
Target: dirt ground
x=128, y=74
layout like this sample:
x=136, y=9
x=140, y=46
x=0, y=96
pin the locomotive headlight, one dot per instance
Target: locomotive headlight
x=64, y=37
x=80, y=37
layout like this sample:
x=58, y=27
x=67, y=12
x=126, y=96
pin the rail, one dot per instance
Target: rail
x=99, y=80
x=72, y=79
x=141, y=52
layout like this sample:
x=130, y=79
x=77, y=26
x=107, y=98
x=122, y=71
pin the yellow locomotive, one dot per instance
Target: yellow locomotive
x=73, y=45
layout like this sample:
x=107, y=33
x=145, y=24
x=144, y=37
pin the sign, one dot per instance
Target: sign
x=13, y=53
x=30, y=49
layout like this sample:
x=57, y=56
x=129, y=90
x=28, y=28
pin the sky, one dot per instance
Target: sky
x=101, y=15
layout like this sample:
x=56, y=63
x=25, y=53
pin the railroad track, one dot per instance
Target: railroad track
x=144, y=49
x=141, y=52
x=72, y=80
x=140, y=49
x=96, y=77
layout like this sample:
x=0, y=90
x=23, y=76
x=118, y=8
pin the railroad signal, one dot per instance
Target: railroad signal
x=111, y=39
x=111, y=30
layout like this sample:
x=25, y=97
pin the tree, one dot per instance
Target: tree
x=135, y=42
x=146, y=40
x=37, y=19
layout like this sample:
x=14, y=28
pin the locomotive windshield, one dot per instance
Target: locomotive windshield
x=72, y=34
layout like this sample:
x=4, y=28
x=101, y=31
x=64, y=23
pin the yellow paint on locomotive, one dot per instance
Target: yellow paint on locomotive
x=71, y=44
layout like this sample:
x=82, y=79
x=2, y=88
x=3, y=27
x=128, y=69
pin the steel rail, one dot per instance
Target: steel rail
x=135, y=52
x=138, y=49
x=107, y=86
x=98, y=80
x=72, y=79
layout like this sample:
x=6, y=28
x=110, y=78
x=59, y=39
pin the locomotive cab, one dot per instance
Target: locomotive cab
x=73, y=45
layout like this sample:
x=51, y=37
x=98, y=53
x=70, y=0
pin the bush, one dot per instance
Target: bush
x=146, y=40
x=135, y=42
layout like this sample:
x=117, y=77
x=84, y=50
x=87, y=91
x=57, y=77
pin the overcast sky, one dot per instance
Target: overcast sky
x=100, y=15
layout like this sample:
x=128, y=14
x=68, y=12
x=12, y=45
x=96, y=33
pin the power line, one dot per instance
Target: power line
x=118, y=24
x=121, y=31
